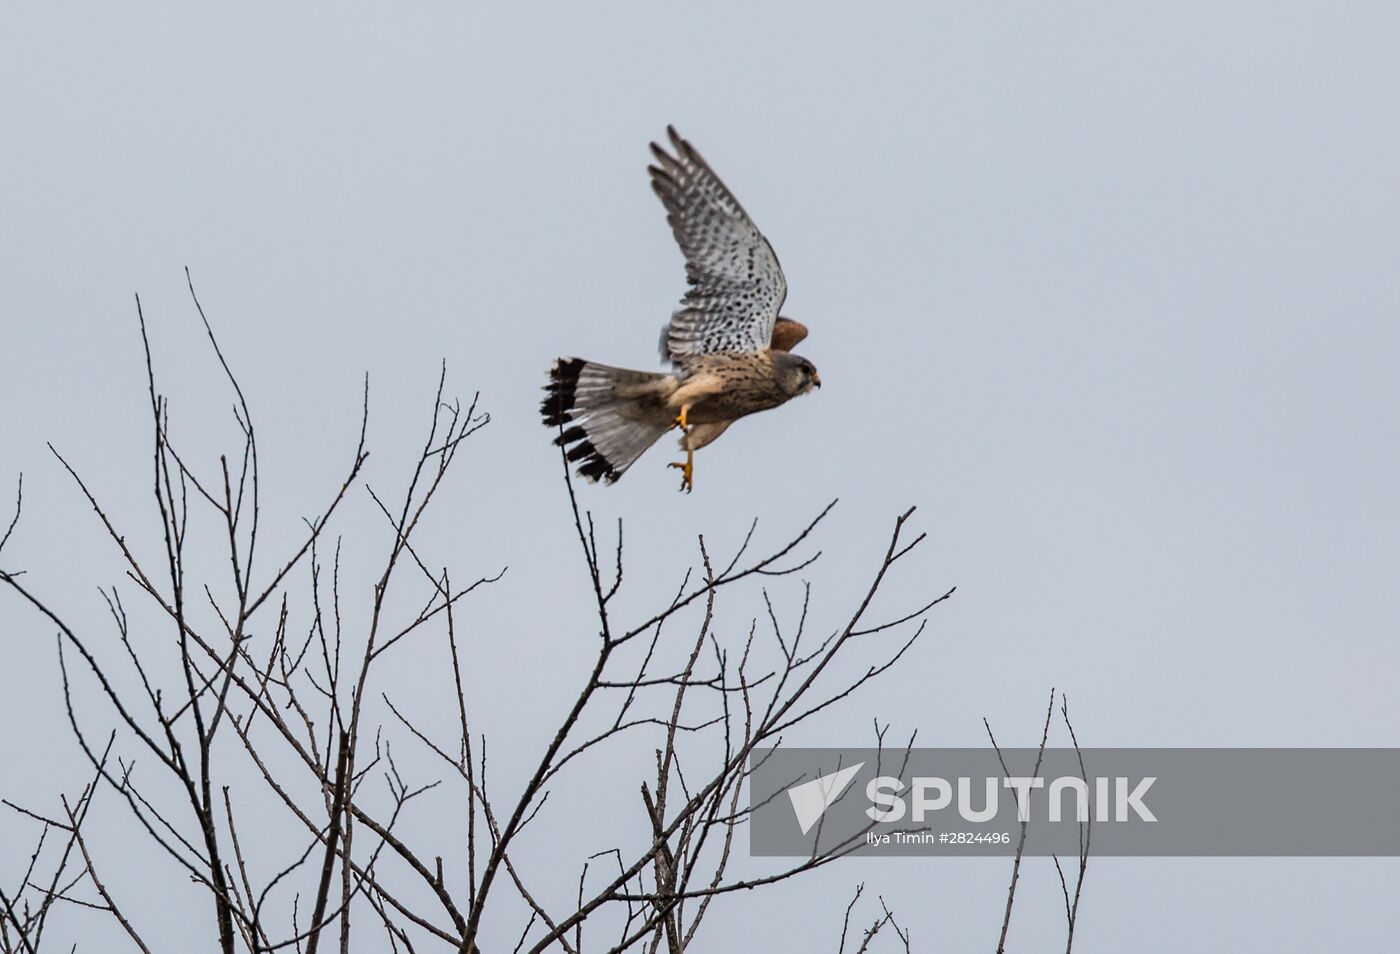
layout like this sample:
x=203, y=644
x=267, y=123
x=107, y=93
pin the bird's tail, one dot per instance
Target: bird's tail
x=610, y=416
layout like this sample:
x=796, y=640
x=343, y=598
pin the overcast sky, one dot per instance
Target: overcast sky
x=1109, y=292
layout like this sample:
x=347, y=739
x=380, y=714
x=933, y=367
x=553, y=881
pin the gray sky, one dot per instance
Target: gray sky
x=1109, y=293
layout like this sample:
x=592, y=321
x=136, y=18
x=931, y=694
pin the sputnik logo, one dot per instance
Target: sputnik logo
x=810, y=800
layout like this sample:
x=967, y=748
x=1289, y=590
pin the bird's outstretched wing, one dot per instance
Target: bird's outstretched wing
x=736, y=283
x=787, y=334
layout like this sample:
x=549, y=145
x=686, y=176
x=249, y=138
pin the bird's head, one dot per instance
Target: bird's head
x=796, y=375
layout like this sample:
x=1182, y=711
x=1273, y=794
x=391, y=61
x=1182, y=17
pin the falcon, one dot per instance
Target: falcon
x=730, y=351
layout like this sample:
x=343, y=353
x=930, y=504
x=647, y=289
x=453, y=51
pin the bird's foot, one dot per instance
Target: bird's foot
x=687, y=469
x=681, y=420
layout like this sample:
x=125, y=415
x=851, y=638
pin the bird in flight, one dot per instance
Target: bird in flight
x=729, y=349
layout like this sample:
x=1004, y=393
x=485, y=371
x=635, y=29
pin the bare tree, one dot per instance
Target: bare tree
x=268, y=690
x=1085, y=829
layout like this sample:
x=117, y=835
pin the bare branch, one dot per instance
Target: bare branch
x=1021, y=842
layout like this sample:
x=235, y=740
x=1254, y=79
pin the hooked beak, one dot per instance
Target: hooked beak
x=816, y=379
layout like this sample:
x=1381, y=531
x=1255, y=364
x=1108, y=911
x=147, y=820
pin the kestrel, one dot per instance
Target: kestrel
x=728, y=347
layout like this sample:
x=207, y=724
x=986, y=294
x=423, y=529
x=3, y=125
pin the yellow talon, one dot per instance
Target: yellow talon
x=681, y=420
x=687, y=470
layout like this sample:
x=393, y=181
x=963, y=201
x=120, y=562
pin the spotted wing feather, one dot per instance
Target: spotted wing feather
x=736, y=283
